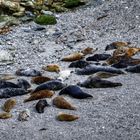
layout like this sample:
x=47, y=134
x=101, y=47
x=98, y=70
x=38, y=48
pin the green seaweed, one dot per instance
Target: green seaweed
x=46, y=20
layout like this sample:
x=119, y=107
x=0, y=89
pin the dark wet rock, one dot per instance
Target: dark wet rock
x=11, y=92
x=41, y=104
x=46, y=20
x=79, y=64
x=50, y=85
x=98, y=57
x=91, y=69
x=38, y=28
x=28, y=72
x=75, y=92
x=96, y=82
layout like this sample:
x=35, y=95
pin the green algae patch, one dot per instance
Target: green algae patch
x=72, y=3
x=46, y=20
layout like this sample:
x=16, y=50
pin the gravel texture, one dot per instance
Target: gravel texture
x=113, y=113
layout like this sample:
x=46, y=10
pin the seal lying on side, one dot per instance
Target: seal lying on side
x=134, y=69
x=7, y=84
x=102, y=74
x=40, y=79
x=62, y=103
x=10, y=92
x=66, y=117
x=116, y=45
x=50, y=85
x=75, y=92
x=91, y=69
x=79, y=64
x=126, y=62
x=28, y=72
x=21, y=83
x=96, y=82
x=98, y=57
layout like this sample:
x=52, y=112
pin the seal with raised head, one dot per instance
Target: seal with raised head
x=22, y=83
x=75, y=92
x=96, y=82
x=41, y=104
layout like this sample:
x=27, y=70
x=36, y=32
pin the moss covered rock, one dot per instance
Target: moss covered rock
x=72, y=3
x=46, y=20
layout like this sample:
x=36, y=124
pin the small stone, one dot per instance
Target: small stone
x=5, y=56
x=24, y=115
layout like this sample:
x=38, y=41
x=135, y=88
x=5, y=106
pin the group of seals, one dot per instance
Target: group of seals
x=98, y=66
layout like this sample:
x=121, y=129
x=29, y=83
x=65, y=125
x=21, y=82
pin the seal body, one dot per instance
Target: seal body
x=134, y=69
x=116, y=45
x=98, y=57
x=104, y=74
x=126, y=62
x=40, y=95
x=50, y=85
x=73, y=57
x=96, y=82
x=60, y=102
x=10, y=92
x=6, y=84
x=28, y=72
x=91, y=69
x=79, y=64
x=66, y=117
x=75, y=92
x=22, y=83
x=41, y=105
x=40, y=79
x=9, y=104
